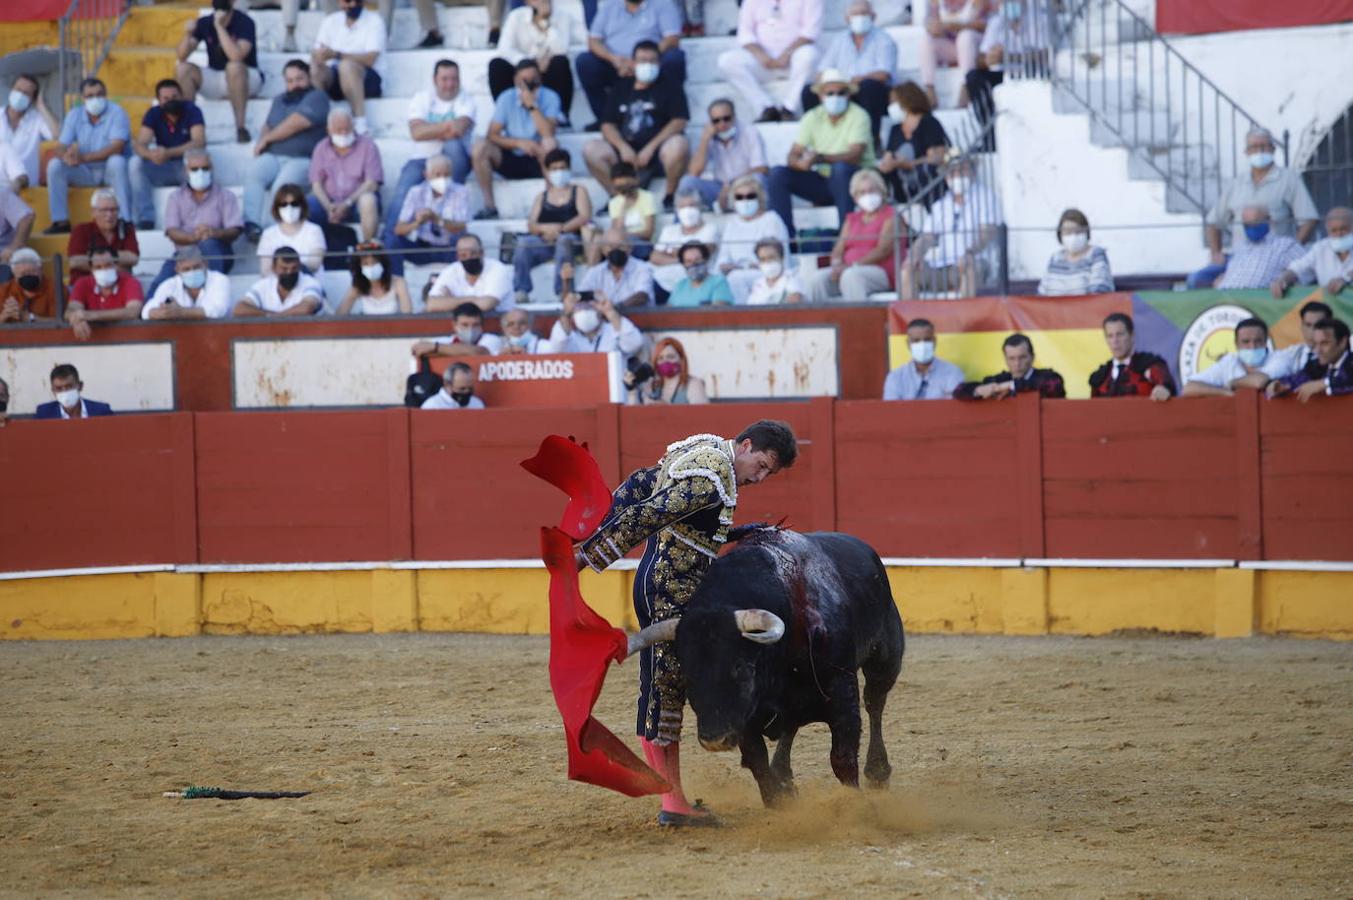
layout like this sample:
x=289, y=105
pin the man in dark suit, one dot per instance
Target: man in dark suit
x=66, y=387
x=1020, y=376
x=1131, y=372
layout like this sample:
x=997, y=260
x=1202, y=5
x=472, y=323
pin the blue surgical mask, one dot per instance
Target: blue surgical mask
x=193, y=279
x=835, y=105
x=95, y=106
x=18, y=101
x=1012, y=11
x=521, y=340
x=1342, y=244
x=1256, y=233
x=1253, y=356
x=1260, y=160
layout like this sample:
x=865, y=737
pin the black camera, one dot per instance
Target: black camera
x=641, y=371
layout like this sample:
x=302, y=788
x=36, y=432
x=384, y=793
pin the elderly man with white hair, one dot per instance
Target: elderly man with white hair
x=345, y=178
x=434, y=214
x=1328, y=263
x=775, y=37
x=29, y=296
x=1260, y=256
x=107, y=229
x=195, y=292
x=868, y=57
x=204, y=214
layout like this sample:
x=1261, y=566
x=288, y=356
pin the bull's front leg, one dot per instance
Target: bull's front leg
x=844, y=723
x=756, y=759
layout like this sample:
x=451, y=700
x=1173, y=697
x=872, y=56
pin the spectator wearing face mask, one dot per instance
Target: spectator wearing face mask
x=204, y=214
x=468, y=339
x=1261, y=257
x=376, y=290
x=434, y=216
x=291, y=228
x=1329, y=262
x=70, y=403
x=521, y=134
x=29, y=296
x=775, y=284
x=632, y=209
x=725, y=153
x=195, y=292
x=107, y=229
x=925, y=376
x=916, y=144
x=26, y=122
x=288, y=291
x=1078, y=268
x=863, y=260
x=955, y=237
x=590, y=323
x=294, y=127
x=700, y=287
x=345, y=181
x=560, y=223
x=690, y=225
x=867, y=55
x=232, y=60
x=620, y=278
x=349, y=58
x=457, y=390
x=168, y=130
x=107, y=294
x=518, y=335
x=472, y=278
x=93, y=151
x=1251, y=366
x=671, y=383
x=743, y=232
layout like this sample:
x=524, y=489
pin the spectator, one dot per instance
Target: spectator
x=469, y=338
x=349, y=58
x=916, y=145
x=644, y=125
x=956, y=231
x=613, y=36
x=543, y=33
x=690, y=225
x=1130, y=372
x=774, y=36
x=953, y=34
x=457, y=390
x=1020, y=376
x=559, y=224
x=623, y=279
x=13, y=175
x=92, y=151
x=1330, y=374
x=195, y=292
x=107, y=228
x=232, y=61
x=1293, y=359
x=1329, y=262
x=1279, y=190
x=700, y=286
x=1077, y=268
x=202, y=212
x=4, y=403
x=168, y=130
x=737, y=260
x=440, y=121
x=518, y=337
x=16, y=224
x=775, y=284
x=1258, y=260
x=1017, y=35
x=26, y=123
x=590, y=323
x=426, y=9
x=864, y=258
x=669, y=382
x=294, y=127
x=288, y=291
x=106, y=294
x=833, y=143
x=1250, y=366
x=865, y=53
x=376, y=290
x=521, y=134
x=345, y=181
x=631, y=209
x=725, y=152
x=434, y=214
x=290, y=228
x=29, y=296
x=472, y=278
x=67, y=388
x=925, y=376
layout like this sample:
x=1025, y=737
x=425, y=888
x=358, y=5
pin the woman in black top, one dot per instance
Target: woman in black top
x=916, y=144
x=559, y=223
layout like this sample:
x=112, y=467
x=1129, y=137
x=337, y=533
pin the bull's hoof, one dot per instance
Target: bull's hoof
x=683, y=820
x=877, y=776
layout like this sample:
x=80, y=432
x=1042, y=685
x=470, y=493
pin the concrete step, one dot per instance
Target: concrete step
x=16, y=36
x=133, y=71
x=155, y=26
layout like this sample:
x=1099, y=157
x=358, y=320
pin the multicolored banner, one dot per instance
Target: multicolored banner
x=1190, y=329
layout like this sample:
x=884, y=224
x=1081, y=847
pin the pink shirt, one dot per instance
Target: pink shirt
x=864, y=236
x=341, y=175
x=775, y=24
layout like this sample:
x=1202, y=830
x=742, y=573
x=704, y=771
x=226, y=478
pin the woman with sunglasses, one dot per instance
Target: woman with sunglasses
x=291, y=230
x=750, y=224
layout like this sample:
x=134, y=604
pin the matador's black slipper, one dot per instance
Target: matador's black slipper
x=705, y=819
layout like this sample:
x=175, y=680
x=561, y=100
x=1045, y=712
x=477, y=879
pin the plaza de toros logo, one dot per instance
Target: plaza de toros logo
x=1210, y=337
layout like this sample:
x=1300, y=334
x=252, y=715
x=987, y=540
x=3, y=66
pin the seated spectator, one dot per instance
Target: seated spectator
x=833, y=143
x=540, y=31
x=1281, y=191
x=775, y=284
x=669, y=381
x=1017, y=35
x=690, y=225
x=232, y=71
x=618, y=28
x=954, y=236
x=726, y=152
x=13, y=175
x=294, y=127
x=864, y=258
x=1020, y=376
x=16, y=224
x=752, y=223
x=867, y=55
x=631, y=209
x=168, y=130
x=440, y=121
x=700, y=287
x=916, y=145
x=774, y=37
x=30, y=296
x=291, y=228
x=622, y=278
x=559, y=225
x=1261, y=257
x=644, y=125
x=518, y=337
x=1078, y=268
x=26, y=123
x=376, y=290
x=457, y=390
x=348, y=60
x=521, y=134
x=1330, y=373
x=590, y=323
x=345, y=182
x=1291, y=360
x=195, y=292
x=288, y=291
x=69, y=404
x=472, y=278
x=925, y=376
x=953, y=35
x=434, y=215
x=1329, y=261
x=107, y=229
x=106, y=294
x=426, y=9
x=468, y=339
x=203, y=213
x=1130, y=372
x=1250, y=366
x=92, y=152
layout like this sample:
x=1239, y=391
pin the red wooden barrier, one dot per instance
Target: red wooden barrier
x=1306, y=454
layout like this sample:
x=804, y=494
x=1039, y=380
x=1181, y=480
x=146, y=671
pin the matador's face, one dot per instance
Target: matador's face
x=754, y=466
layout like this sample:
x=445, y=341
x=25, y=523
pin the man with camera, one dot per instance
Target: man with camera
x=590, y=323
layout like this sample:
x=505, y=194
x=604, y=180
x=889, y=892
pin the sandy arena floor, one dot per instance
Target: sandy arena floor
x=1022, y=767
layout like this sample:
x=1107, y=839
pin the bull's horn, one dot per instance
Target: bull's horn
x=759, y=625
x=658, y=631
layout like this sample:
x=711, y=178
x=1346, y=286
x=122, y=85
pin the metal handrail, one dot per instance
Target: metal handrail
x=87, y=32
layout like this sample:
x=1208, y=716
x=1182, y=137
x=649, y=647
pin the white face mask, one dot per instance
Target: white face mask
x=343, y=141
x=1342, y=244
x=923, y=351
x=290, y=214
x=69, y=399
x=1076, y=241
x=199, y=179
x=646, y=73
x=105, y=277
x=440, y=184
x=559, y=177
x=688, y=216
x=586, y=320
x=1260, y=160
x=96, y=105
x=746, y=208
x=835, y=105
x=896, y=112
x=18, y=101
x=728, y=135
x=771, y=268
x=871, y=201
x=373, y=273
x=861, y=24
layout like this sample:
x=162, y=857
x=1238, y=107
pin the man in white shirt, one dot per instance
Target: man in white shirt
x=348, y=61
x=26, y=123
x=1291, y=360
x=594, y=326
x=954, y=234
x=1329, y=262
x=775, y=37
x=194, y=292
x=457, y=390
x=925, y=376
x=486, y=283
x=468, y=338
x=287, y=292
x=1252, y=366
x=13, y=173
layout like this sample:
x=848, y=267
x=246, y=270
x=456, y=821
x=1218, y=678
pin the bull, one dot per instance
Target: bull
x=773, y=639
